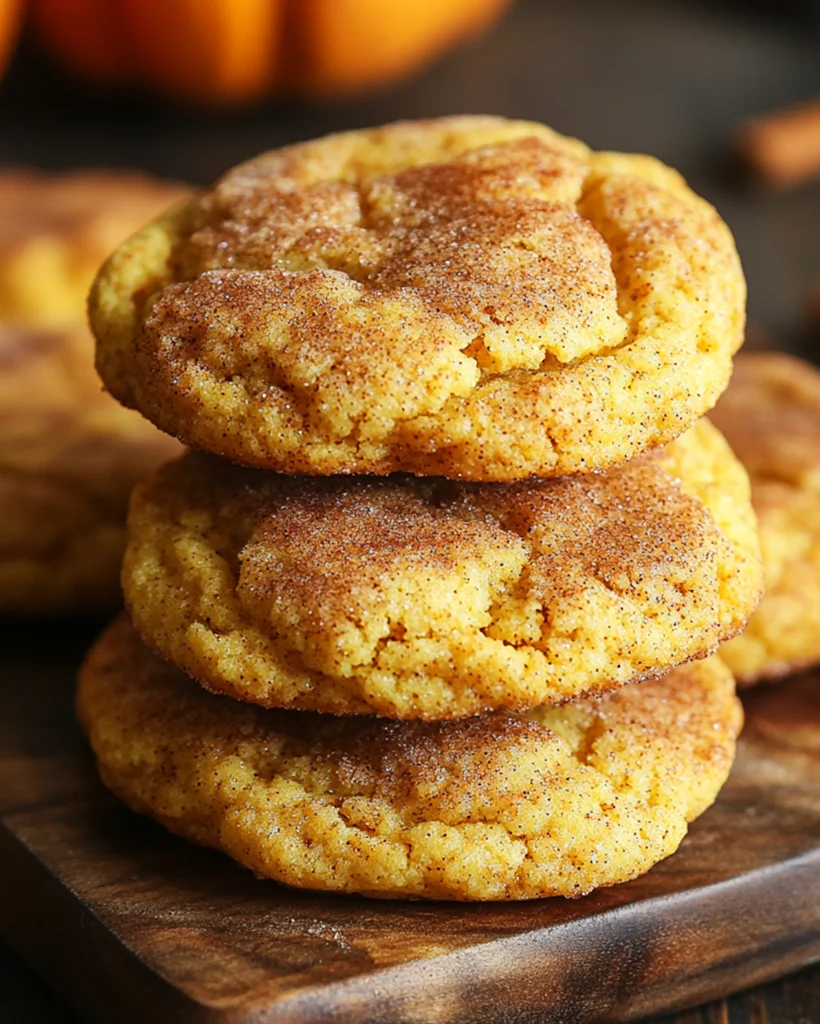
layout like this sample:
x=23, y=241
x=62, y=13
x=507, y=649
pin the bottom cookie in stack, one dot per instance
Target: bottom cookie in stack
x=771, y=417
x=554, y=801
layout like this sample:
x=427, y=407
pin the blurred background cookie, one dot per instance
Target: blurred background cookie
x=69, y=454
x=771, y=417
x=56, y=229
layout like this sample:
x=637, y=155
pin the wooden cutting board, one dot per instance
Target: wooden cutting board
x=133, y=925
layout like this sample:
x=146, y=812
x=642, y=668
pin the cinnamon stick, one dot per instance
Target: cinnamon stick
x=783, y=148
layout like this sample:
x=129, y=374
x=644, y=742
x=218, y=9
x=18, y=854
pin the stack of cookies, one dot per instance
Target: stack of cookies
x=453, y=500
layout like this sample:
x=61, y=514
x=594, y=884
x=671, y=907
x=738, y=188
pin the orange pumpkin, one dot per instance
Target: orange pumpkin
x=10, y=11
x=232, y=51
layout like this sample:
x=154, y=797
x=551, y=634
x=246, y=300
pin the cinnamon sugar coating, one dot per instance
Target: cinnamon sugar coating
x=69, y=457
x=471, y=297
x=499, y=807
x=771, y=417
x=429, y=598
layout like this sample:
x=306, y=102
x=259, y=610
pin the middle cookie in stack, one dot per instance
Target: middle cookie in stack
x=471, y=297
x=421, y=597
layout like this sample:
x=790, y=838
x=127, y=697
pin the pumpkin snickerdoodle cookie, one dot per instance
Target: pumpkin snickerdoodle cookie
x=429, y=598
x=55, y=231
x=771, y=417
x=499, y=807
x=69, y=458
x=69, y=454
x=470, y=297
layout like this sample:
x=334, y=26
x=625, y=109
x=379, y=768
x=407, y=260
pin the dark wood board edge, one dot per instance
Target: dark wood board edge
x=659, y=955
x=51, y=928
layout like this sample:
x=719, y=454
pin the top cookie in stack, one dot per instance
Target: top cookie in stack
x=471, y=297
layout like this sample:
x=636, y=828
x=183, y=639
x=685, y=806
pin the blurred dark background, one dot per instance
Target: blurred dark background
x=670, y=78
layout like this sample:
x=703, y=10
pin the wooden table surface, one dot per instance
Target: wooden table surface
x=669, y=78
x=794, y=1000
